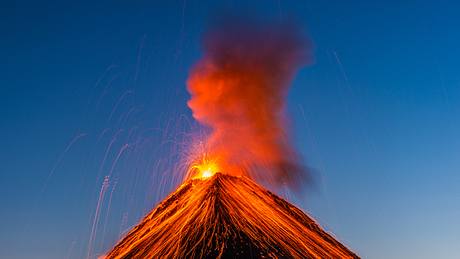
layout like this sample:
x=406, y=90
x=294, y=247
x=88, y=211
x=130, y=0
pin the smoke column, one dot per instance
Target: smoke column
x=239, y=88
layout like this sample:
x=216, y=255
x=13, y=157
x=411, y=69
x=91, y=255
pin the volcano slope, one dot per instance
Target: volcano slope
x=226, y=216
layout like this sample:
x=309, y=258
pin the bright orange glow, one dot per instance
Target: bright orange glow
x=205, y=169
x=238, y=90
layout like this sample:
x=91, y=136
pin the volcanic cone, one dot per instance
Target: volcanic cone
x=224, y=216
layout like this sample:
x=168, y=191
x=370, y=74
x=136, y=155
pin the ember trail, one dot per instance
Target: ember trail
x=238, y=91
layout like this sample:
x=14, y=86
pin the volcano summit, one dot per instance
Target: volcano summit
x=224, y=216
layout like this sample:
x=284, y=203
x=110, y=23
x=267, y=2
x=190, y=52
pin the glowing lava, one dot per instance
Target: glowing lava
x=205, y=169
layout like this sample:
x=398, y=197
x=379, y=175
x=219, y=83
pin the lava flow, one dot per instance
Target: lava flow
x=238, y=91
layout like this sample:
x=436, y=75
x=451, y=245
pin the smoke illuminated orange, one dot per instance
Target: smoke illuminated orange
x=239, y=89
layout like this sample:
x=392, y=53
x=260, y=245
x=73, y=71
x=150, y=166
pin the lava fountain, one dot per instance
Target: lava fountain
x=238, y=91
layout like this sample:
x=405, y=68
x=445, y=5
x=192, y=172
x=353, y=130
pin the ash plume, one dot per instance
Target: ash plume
x=239, y=89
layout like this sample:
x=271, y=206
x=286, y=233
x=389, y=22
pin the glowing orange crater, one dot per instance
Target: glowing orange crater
x=205, y=169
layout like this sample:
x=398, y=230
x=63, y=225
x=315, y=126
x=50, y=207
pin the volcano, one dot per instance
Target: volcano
x=224, y=216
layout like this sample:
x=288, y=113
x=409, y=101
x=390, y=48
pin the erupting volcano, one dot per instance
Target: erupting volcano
x=238, y=91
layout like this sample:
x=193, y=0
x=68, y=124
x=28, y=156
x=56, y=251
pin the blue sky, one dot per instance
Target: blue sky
x=98, y=89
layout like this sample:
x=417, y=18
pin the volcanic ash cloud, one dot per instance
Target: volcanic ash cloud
x=239, y=88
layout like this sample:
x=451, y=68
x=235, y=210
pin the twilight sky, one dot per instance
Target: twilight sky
x=93, y=90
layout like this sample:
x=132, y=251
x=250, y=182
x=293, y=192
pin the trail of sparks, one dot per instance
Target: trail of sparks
x=92, y=236
x=114, y=185
x=69, y=146
x=122, y=149
x=106, y=153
